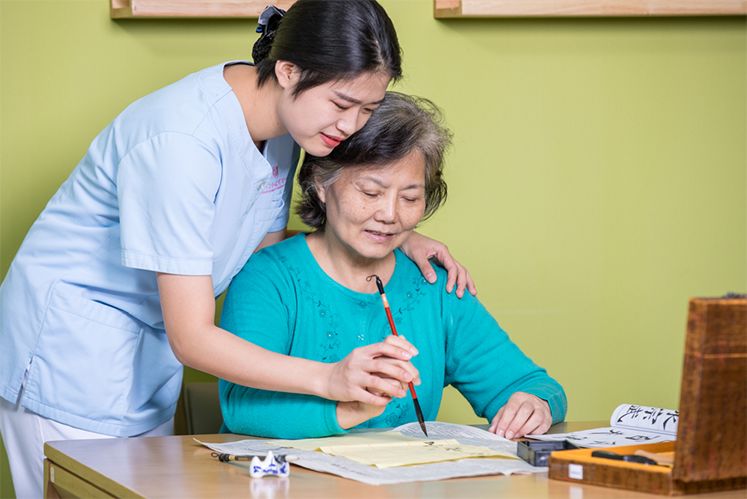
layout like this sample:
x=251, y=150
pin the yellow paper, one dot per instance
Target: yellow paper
x=387, y=455
x=367, y=438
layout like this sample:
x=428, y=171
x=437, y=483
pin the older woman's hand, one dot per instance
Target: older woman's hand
x=351, y=414
x=421, y=249
x=523, y=414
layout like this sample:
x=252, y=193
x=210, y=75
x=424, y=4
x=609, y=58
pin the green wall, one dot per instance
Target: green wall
x=597, y=179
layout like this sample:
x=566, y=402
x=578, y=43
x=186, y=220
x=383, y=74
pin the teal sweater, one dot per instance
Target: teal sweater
x=283, y=301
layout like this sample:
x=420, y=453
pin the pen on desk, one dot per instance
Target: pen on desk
x=418, y=410
x=225, y=457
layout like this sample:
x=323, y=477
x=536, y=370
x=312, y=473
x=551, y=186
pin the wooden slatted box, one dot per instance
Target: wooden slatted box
x=710, y=453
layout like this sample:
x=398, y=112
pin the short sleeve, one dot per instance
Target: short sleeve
x=167, y=187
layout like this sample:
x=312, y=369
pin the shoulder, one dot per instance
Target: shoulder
x=184, y=106
x=409, y=276
x=271, y=263
x=409, y=271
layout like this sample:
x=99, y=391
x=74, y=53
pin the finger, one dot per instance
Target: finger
x=509, y=411
x=404, y=372
x=401, y=342
x=385, y=349
x=461, y=280
x=471, y=286
x=494, y=424
x=424, y=264
x=520, y=418
x=366, y=397
x=387, y=387
x=535, y=421
x=452, y=270
x=411, y=367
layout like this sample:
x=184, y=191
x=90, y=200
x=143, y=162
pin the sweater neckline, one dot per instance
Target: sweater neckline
x=325, y=278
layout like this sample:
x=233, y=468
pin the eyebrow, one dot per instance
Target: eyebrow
x=353, y=100
x=381, y=184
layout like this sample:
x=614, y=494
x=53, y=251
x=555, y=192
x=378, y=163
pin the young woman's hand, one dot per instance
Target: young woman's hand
x=421, y=249
x=523, y=414
x=374, y=374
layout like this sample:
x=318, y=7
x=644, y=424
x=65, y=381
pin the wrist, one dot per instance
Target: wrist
x=320, y=380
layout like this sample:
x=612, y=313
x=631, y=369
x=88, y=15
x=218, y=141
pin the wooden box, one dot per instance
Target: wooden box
x=710, y=453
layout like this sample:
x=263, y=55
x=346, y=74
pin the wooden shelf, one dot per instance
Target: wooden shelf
x=139, y=9
x=586, y=8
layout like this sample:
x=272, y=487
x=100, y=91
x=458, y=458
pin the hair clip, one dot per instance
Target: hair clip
x=267, y=16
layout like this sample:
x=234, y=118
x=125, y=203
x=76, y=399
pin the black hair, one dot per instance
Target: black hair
x=401, y=124
x=328, y=40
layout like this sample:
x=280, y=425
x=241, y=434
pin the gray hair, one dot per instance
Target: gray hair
x=401, y=124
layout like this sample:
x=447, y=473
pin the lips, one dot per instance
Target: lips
x=330, y=141
x=379, y=236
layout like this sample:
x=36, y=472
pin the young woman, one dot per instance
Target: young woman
x=311, y=295
x=113, y=288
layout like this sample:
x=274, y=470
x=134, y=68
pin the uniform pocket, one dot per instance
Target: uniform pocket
x=84, y=363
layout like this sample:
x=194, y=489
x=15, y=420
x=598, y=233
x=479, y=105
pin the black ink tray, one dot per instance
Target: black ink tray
x=537, y=452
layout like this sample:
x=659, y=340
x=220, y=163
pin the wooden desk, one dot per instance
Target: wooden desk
x=176, y=466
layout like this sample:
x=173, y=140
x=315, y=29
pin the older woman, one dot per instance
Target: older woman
x=309, y=297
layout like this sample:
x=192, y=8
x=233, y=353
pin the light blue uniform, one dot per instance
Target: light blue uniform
x=174, y=184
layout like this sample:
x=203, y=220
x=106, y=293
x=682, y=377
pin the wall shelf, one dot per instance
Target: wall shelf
x=141, y=9
x=443, y=9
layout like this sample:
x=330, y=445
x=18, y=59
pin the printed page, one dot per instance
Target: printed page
x=631, y=424
x=649, y=419
x=408, y=453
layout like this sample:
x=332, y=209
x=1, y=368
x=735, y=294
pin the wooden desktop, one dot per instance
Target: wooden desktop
x=176, y=466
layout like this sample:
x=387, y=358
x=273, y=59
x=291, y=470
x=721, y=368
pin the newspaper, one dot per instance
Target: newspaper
x=346, y=468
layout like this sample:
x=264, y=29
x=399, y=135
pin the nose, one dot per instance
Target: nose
x=351, y=121
x=387, y=210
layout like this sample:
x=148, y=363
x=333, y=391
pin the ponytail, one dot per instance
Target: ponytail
x=267, y=25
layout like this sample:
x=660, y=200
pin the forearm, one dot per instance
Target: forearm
x=277, y=415
x=487, y=367
x=188, y=311
x=216, y=351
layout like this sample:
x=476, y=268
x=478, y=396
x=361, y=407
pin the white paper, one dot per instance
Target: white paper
x=630, y=424
x=346, y=468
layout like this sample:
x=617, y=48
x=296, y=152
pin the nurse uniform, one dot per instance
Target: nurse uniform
x=174, y=184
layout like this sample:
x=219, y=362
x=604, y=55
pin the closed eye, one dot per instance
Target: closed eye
x=340, y=106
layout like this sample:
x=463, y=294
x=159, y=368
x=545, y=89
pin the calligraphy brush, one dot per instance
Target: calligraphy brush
x=418, y=410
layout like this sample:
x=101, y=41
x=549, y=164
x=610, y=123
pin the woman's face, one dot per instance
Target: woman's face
x=321, y=117
x=372, y=210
